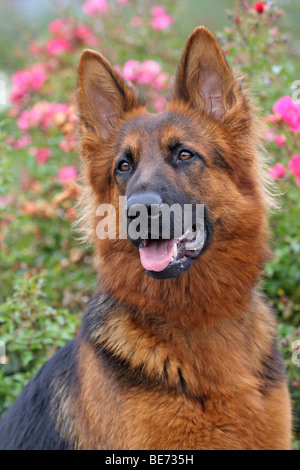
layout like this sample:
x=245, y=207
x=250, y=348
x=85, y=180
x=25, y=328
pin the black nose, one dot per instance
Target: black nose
x=143, y=211
x=145, y=199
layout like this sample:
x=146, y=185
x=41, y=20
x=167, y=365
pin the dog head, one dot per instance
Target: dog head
x=201, y=151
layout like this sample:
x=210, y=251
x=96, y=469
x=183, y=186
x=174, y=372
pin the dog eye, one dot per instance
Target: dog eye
x=124, y=166
x=185, y=155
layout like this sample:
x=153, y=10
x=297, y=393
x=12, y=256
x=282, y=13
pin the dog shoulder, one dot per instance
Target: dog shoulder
x=30, y=422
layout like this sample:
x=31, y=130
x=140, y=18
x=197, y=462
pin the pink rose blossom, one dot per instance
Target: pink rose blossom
x=280, y=140
x=83, y=34
x=68, y=144
x=41, y=154
x=146, y=73
x=4, y=201
x=57, y=47
x=159, y=104
x=20, y=143
x=294, y=166
x=24, y=141
x=277, y=171
x=60, y=26
x=161, y=81
x=273, y=118
x=28, y=119
x=149, y=70
x=67, y=173
x=26, y=81
x=289, y=112
x=161, y=22
x=158, y=11
x=41, y=114
x=160, y=18
x=130, y=70
x=94, y=7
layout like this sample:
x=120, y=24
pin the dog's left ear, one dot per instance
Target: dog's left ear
x=204, y=79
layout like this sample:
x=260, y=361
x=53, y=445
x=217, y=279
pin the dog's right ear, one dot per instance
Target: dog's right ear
x=102, y=95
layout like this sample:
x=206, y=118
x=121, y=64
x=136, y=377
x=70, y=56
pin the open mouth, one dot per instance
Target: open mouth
x=169, y=258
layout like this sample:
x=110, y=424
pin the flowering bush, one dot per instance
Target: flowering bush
x=39, y=163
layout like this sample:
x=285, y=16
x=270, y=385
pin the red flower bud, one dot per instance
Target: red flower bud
x=259, y=7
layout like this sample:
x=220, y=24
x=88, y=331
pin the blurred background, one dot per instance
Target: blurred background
x=46, y=276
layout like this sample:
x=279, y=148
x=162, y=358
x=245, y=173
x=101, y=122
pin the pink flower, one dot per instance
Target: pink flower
x=24, y=141
x=18, y=144
x=26, y=81
x=277, y=171
x=146, y=73
x=130, y=70
x=28, y=119
x=158, y=11
x=149, y=70
x=58, y=46
x=93, y=7
x=280, y=140
x=43, y=155
x=83, y=34
x=67, y=173
x=289, y=112
x=58, y=27
x=161, y=22
x=38, y=76
x=161, y=81
x=68, y=144
x=159, y=104
x=41, y=114
x=160, y=18
x=273, y=118
x=294, y=166
x=4, y=201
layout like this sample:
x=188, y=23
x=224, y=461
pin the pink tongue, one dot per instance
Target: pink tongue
x=157, y=256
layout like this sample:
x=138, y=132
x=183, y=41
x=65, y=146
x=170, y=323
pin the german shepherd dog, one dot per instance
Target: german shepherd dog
x=178, y=348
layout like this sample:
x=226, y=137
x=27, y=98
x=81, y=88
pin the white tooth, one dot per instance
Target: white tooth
x=198, y=243
x=175, y=251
